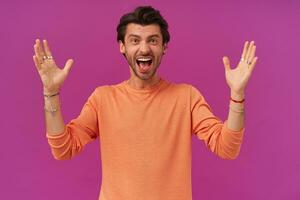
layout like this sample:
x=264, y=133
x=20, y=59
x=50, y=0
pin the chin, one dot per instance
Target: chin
x=145, y=76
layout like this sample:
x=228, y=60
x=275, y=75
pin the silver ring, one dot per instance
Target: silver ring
x=49, y=57
x=44, y=57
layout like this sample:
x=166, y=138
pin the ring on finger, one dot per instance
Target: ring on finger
x=49, y=57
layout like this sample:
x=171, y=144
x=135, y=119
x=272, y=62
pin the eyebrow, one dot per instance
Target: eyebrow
x=150, y=36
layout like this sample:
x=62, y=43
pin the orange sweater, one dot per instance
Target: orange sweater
x=145, y=138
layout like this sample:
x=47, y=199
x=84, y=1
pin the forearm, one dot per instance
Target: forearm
x=54, y=120
x=236, y=113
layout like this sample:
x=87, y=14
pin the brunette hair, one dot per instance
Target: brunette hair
x=143, y=15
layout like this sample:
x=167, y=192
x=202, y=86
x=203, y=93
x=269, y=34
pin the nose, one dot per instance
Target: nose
x=144, y=48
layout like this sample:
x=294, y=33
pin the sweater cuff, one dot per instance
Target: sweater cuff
x=57, y=141
x=58, y=136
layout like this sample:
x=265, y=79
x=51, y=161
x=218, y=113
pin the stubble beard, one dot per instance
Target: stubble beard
x=140, y=77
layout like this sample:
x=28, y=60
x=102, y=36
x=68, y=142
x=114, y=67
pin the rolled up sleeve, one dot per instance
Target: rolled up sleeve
x=206, y=126
x=78, y=132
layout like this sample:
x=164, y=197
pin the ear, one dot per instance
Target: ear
x=165, y=46
x=122, y=47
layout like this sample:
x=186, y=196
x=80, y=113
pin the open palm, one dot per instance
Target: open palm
x=51, y=75
x=238, y=77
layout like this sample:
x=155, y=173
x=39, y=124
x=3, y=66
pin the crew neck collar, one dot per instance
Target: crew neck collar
x=150, y=89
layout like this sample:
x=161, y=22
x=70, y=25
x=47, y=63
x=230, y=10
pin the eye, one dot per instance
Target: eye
x=134, y=41
x=153, y=41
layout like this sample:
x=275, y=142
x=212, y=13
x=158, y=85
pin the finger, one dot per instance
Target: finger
x=249, y=50
x=252, y=65
x=68, y=65
x=47, y=48
x=226, y=63
x=245, y=49
x=37, y=54
x=36, y=62
x=40, y=49
x=252, y=53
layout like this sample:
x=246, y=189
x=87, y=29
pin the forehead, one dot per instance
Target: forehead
x=142, y=30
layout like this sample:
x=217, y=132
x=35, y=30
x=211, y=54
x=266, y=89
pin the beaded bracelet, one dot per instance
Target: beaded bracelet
x=51, y=109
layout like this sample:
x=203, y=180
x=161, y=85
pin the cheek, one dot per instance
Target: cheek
x=159, y=55
x=130, y=52
x=158, y=51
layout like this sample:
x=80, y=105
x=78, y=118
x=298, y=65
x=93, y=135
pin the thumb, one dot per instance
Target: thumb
x=68, y=66
x=226, y=63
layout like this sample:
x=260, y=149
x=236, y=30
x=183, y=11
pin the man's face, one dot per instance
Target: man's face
x=143, y=47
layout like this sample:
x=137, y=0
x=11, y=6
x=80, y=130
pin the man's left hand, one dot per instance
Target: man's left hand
x=237, y=78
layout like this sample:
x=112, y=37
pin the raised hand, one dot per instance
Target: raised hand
x=51, y=75
x=237, y=78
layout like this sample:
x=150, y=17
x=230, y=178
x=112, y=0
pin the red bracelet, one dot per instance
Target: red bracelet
x=237, y=101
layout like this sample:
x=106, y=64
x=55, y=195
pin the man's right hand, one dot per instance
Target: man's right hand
x=51, y=75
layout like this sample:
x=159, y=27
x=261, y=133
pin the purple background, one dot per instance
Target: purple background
x=201, y=33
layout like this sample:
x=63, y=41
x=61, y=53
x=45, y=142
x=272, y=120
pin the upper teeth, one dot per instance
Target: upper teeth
x=144, y=59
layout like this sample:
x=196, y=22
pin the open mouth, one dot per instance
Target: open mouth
x=144, y=64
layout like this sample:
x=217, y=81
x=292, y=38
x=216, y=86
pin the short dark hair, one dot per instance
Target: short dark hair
x=143, y=15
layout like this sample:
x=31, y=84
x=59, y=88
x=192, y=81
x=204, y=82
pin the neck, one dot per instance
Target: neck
x=138, y=83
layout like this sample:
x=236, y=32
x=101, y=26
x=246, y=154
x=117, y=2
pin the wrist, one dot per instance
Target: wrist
x=51, y=95
x=48, y=91
x=52, y=104
x=237, y=96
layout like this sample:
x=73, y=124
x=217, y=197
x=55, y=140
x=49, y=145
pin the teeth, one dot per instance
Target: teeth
x=144, y=59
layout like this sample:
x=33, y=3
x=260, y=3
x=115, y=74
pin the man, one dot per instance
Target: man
x=145, y=123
